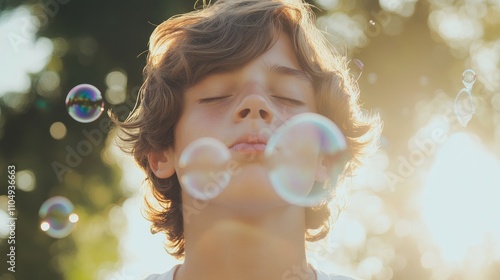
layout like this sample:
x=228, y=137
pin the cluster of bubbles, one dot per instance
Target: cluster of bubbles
x=57, y=217
x=84, y=103
x=464, y=105
x=304, y=157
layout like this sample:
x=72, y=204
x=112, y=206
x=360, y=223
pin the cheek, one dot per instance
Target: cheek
x=312, y=105
x=195, y=125
x=212, y=117
x=286, y=113
x=312, y=109
x=209, y=121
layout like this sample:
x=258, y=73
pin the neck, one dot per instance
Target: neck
x=222, y=243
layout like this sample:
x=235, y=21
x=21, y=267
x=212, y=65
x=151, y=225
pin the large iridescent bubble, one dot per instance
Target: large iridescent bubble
x=307, y=154
x=84, y=103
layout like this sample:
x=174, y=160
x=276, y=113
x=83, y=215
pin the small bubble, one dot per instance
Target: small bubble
x=84, y=103
x=464, y=107
x=306, y=154
x=57, y=217
x=468, y=78
x=203, y=163
x=372, y=22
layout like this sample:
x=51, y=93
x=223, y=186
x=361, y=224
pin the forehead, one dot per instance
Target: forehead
x=282, y=50
x=279, y=60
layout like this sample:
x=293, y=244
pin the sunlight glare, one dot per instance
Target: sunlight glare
x=22, y=52
x=460, y=197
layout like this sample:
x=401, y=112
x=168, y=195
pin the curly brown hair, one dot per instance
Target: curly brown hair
x=221, y=37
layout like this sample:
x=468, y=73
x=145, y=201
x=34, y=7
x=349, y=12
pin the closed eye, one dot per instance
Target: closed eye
x=289, y=101
x=212, y=99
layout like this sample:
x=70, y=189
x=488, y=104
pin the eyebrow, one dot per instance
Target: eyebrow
x=287, y=71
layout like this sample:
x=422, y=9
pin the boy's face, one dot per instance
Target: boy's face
x=242, y=109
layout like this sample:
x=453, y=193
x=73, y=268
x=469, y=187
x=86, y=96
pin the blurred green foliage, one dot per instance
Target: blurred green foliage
x=118, y=32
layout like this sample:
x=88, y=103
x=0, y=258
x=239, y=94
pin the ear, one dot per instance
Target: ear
x=162, y=163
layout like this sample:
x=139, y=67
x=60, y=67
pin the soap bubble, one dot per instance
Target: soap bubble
x=203, y=164
x=468, y=78
x=464, y=107
x=306, y=155
x=84, y=103
x=58, y=219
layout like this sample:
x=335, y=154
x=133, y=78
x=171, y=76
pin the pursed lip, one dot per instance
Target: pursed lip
x=249, y=143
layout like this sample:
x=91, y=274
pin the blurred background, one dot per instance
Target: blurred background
x=425, y=207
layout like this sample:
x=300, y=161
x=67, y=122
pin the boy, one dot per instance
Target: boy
x=231, y=71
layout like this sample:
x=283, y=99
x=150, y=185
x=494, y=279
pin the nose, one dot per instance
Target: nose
x=254, y=106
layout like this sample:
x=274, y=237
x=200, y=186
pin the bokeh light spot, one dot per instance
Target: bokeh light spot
x=26, y=180
x=58, y=130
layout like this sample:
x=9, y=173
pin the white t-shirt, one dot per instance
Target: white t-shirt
x=169, y=275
